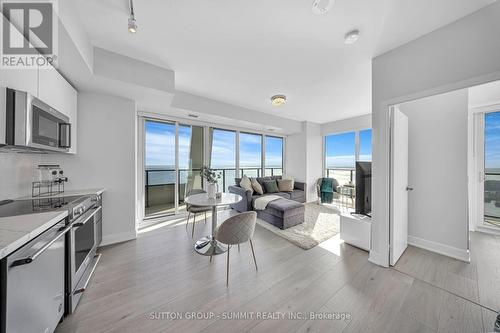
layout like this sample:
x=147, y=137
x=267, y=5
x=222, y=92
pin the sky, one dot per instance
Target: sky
x=341, y=149
x=492, y=140
x=160, y=147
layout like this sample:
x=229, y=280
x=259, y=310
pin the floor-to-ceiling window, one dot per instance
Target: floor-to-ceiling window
x=340, y=157
x=274, y=156
x=492, y=169
x=223, y=156
x=342, y=150
x=160, y=177
x=250, y=154
x=175, y=152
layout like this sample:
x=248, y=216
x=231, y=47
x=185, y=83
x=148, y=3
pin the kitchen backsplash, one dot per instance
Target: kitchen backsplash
x=16, y=174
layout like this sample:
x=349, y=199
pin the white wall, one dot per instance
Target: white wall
x=437, y=207
x=456, y=56
x=304, y=154
x=17, y=171
x=106, y=158
x=347, y=125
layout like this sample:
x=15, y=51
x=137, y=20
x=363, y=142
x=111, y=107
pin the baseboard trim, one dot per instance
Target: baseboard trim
x=118, y=238
x=443, y=249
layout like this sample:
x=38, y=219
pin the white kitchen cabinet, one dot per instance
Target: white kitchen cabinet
x=54, y=90
x=20, y=79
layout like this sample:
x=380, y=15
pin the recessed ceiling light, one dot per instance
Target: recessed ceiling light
x=132, y=24
x=351, y=37
x=278, y=100
x=320, y=7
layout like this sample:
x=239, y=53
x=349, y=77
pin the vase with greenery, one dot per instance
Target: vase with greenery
x=212, y=179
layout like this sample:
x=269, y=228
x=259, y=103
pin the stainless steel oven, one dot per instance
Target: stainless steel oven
x=82, y=249
x=31, y=123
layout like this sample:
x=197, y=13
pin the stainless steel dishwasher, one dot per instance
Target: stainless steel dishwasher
x=32, y=290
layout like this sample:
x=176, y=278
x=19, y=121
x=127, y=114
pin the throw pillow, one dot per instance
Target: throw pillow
x=246, y=184
x=285, y=185
x=256, y=186
x=271, y=186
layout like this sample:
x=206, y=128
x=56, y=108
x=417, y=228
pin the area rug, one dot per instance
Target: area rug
x=320, y=223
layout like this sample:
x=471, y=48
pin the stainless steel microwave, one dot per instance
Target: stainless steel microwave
x=32, y=124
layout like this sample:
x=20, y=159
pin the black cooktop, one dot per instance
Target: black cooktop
x=38, y=205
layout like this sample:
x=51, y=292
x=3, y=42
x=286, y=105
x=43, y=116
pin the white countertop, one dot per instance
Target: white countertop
x=67, y=194
x=15, y=231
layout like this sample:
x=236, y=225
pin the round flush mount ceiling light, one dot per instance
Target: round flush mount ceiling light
x=320, y=7
x=278, y=100
x=351, y=37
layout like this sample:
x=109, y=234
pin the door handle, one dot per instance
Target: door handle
x=409, y=188
x=31, y=258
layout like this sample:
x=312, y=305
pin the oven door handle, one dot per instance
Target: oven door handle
x=30, y=259
x=86, y=219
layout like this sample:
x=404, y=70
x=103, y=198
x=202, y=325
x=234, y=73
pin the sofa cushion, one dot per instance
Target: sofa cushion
x=297, y=194
x=257, y=187
x=285, y=185
x=271, y=186
x=246, y=183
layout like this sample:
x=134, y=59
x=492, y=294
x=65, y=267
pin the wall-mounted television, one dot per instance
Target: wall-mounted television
x=363, y=188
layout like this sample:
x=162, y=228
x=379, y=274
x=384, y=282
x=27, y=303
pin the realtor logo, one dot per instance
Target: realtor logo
x=28, y=34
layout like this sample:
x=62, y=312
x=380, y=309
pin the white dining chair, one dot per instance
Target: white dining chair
x=236, y=230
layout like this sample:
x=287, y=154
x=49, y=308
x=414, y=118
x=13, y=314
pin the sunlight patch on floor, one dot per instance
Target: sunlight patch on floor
x=156, y=226
x=333, y=245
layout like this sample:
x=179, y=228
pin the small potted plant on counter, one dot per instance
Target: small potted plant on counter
x=212, y=179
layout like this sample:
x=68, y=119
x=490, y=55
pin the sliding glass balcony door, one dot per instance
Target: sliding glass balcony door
x=173, y=157
x=160, y=171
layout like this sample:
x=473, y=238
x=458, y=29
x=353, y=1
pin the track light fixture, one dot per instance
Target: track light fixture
x=132, y=24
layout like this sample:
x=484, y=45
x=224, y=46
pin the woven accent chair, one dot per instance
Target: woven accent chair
x=196, y=209
x=236, y=230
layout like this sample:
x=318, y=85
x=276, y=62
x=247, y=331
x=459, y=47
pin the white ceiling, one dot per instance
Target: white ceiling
x=243, y=52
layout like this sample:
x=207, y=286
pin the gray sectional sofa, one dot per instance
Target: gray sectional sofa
x=298, y=194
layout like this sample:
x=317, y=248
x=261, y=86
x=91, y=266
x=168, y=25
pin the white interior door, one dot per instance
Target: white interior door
x=399, y=185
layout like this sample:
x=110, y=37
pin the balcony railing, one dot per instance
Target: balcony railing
x=492, y=198
x=160, y=183
x=342, y=175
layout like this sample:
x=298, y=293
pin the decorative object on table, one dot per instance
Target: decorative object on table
x=212, y=179
x=192, y=209
x=218, y=195
x=236, y=230
x=50, y=181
